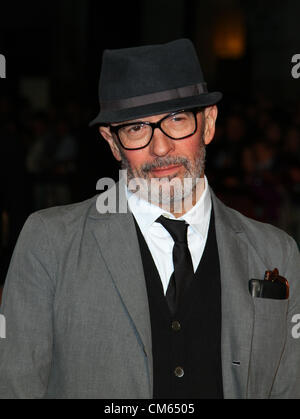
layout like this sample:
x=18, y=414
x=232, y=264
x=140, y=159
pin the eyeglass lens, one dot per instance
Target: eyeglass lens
x=175, y=126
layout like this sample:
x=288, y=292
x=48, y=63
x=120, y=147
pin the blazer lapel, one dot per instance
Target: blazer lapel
x=237, y=307
x=117, y=240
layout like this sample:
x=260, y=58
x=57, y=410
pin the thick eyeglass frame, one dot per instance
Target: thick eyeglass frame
x=115, y=129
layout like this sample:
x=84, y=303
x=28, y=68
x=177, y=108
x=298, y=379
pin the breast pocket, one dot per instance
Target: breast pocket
x=268, y=341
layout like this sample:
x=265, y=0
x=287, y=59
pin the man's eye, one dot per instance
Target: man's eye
x=136, y=128
x=179, y=118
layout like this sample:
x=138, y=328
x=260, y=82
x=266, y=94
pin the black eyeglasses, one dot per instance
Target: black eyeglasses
x=137, y=135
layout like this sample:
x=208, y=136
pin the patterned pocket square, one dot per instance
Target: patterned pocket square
x=272, y=286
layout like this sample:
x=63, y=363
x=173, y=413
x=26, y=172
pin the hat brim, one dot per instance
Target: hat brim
x=206, y=99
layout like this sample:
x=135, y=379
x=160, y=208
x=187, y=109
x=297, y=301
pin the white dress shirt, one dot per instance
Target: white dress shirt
x=158, y=239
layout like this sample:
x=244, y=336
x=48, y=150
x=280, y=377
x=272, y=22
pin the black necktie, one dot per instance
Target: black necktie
x=183, y=266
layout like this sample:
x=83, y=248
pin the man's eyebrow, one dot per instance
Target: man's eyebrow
x=129, y=122
x=135, y=121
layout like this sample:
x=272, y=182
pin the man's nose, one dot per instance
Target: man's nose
x=161, y=144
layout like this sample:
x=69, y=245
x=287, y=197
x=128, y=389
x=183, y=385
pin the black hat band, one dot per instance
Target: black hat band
x=164, y=96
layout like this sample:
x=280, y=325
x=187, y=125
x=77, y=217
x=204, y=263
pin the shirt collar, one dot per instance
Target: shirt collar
x=146, y=213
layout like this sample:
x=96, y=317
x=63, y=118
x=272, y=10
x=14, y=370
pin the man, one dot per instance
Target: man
x=176, y=297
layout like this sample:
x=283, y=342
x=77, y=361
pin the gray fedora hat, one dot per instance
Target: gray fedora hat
x=151, y=80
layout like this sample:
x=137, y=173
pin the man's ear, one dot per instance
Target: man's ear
x=107, y=135
x=210, y=117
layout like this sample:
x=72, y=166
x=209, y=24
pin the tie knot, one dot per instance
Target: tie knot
x=176, y=228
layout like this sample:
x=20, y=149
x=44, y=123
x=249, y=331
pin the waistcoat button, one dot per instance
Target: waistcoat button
x=179, y=372
x=176, y=326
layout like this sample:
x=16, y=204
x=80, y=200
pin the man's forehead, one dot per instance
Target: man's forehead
x=150, y=118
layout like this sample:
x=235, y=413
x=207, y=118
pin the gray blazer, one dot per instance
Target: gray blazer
x=77, y=315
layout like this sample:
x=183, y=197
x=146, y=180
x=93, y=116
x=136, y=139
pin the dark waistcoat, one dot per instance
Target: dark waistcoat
x=187, y=347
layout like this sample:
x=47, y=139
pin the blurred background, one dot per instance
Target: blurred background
x=53, y=52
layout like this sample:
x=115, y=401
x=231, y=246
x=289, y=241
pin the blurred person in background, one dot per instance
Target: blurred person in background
x=51, y=160
x=15, y=194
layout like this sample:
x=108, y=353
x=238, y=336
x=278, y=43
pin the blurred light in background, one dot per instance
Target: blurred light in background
x=229, y=37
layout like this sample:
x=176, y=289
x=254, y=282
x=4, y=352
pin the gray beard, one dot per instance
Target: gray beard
x=168, y=191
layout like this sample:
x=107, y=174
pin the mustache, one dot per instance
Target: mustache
x=163, y=162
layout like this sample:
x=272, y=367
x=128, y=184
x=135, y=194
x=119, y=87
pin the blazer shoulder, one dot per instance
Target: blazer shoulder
x=256, y=230
x=65, y=214
x=271, y=242
x=60, y=223
x=257, y=227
